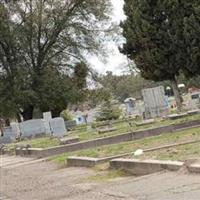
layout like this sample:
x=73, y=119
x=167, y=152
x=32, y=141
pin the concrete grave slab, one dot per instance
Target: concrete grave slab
x=145, y=122
x=106, y=130
x=81, y=161
x=69, y=140
x=193, y=112
x=144, y=167
x=177, y=116
x=194, y=168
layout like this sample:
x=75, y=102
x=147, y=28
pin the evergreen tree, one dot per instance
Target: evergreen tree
x=192, y=39
x=155, y=40
x=109, y=111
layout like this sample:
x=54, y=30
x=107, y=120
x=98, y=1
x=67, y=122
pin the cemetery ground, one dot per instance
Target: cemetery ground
x=47, y=180
x=120, y=126
x=175, y=153
x=51, y=178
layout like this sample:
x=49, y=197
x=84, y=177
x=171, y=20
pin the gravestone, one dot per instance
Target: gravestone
x=8, y=136
x=47, y=117
x=15, y=129
x=9, y=132
x=5, y=139
x=130, y=105
x=58, y=127
x=32, y=127
x=155, y=102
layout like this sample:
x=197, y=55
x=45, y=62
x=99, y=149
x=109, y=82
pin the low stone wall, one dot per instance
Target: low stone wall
x=81, y=161
x=69, y=140
x=114, y=139
x=194, y=168
x=139, y=168
x=35, y=152
x=77, y=161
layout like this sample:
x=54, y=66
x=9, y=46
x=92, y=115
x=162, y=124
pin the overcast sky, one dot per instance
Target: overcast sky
x=115, y=60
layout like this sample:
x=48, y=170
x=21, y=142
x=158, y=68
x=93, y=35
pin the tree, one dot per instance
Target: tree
x=97, y=96
x=124, y=86
x=109, y=111
x=154, y=32
x=41, y=43
x=192, y=40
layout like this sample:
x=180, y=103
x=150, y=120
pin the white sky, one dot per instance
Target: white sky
x=115, y=60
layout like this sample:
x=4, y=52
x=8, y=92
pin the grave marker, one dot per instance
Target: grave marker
x=32, y=128
x=58, y=127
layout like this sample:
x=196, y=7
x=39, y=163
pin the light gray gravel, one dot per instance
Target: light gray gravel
x=46, y=181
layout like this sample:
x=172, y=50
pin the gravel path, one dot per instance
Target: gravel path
x=46, y=181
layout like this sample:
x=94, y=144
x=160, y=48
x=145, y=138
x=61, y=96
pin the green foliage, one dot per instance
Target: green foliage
x=109, y=111
x=97, y=96
x=66, y=115
x=154, y=34
x=42, y=52
x=124, y=86
x=155, y=38
x=192, y=42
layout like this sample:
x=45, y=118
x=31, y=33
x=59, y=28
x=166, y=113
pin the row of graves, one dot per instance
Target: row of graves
x=32, y=128
x=155, y=103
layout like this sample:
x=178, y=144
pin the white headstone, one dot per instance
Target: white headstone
x=32, y=127
x=58, y=127
x=47, y=117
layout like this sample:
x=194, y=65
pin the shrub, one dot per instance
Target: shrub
x=109, y=111
x=65, y=114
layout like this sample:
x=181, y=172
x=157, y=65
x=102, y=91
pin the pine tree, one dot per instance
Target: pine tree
x=155, y=40
x=109, y=111
x=192, y=39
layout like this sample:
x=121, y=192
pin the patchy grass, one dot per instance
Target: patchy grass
x=42, y=142
x=128, y=147
x=107, y=175
x=60, y=159
x=181, y=153
x=123, y=127
x=145, y=143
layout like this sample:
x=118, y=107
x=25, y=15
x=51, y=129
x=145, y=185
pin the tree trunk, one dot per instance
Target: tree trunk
x=177, y=94
x=27, y=114
x=19, y=117
x=56, y=112
x=7, y=122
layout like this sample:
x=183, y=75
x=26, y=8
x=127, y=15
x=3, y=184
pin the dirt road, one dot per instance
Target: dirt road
x=37, y=180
